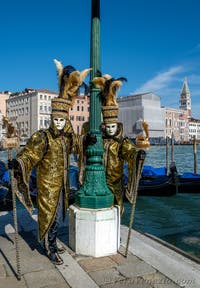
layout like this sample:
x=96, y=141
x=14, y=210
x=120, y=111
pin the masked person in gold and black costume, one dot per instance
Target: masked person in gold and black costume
x=117, y=149
x=49, y=150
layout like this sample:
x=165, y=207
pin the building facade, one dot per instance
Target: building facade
x=194, y=129
x=136, y=108
x=3, y=97
x=29, y=111
x=176, y=122
x=79, y=113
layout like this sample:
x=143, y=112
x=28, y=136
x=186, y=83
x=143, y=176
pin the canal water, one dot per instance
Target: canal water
x=174, y=219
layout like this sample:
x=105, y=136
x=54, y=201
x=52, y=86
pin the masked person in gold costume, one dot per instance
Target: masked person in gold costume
x=49, y=150
x=117, y=149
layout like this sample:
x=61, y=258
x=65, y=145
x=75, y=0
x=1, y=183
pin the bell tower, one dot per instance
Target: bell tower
x=185, y=100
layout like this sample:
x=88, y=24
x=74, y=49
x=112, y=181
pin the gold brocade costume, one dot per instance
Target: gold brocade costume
x=118, y=150
x=51, y=169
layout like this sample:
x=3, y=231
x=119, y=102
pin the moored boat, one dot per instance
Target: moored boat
x=154, y=182
x=189, y=183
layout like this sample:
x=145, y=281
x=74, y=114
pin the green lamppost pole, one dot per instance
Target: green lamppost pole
x=94, y=193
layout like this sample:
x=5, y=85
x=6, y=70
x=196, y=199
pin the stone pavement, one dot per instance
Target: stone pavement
x=149, y=264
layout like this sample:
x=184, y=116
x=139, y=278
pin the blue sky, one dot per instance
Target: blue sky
x=155, y=44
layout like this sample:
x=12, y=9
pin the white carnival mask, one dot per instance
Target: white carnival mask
x=59, y=123
x=111, y=129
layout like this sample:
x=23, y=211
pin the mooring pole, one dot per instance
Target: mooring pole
x=195, y=154
x=167, y=153
x=172, y=148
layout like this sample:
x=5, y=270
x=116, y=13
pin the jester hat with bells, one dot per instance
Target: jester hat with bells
x=69, y=81
x=109, y=87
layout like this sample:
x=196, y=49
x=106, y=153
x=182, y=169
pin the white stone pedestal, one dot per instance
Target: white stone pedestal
x=94, y=232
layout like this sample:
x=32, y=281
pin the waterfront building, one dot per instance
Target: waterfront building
x=3, y=97
x=179, y=121
x=30, y=111
x=136, y=108
x=79, y=113
x=2, y=130
x=176, y=122
x=194, y=129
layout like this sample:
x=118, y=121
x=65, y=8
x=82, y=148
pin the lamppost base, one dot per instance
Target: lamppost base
x=94, y=232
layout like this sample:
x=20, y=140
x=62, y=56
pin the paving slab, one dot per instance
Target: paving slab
x=12, y=282
x=158, y=280
x=131, y=270
x=2, y=271
x=45, y=278
x=95, y=264
x=108, y=276
x=129, y=283
x=74, y=274
x=32, y=257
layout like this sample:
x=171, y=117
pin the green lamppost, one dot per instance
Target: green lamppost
x=94, y=192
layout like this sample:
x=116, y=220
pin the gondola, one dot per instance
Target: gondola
x=154, y=182
x=188, y=183
x=162, y=186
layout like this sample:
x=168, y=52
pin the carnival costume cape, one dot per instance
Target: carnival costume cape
x=51, y=181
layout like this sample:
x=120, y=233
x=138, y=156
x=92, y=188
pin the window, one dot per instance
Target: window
x=78, y=108
x=46, y=123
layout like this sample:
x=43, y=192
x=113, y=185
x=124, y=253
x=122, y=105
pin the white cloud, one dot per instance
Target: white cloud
x=160, y=81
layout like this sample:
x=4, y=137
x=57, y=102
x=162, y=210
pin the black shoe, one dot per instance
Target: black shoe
x=55, y=258
x=61, y=250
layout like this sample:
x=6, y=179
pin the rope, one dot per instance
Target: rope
x=140, y=163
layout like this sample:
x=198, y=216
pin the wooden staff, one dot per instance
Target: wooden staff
x=140, y=164
x=9, y=143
